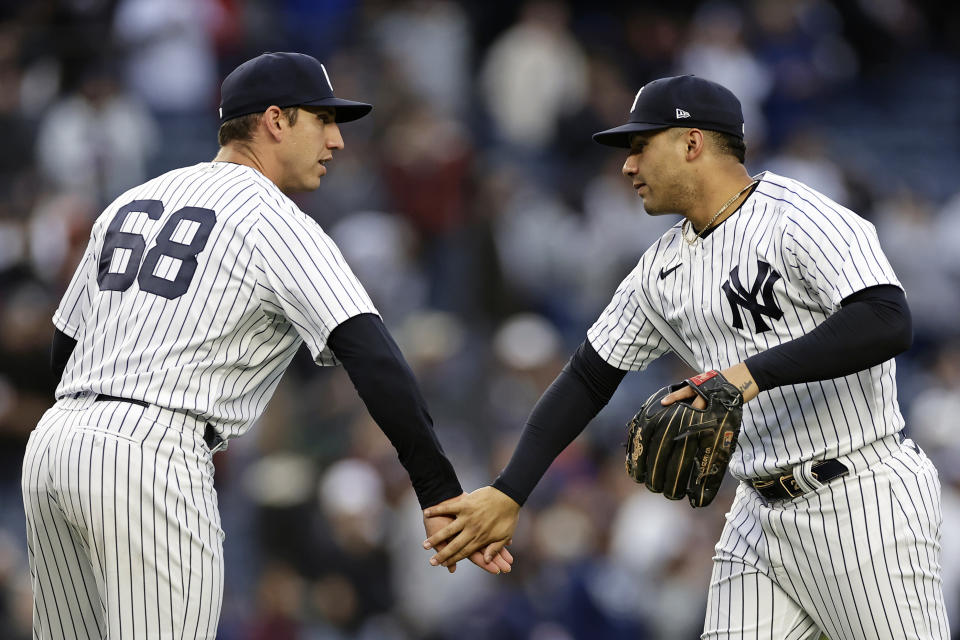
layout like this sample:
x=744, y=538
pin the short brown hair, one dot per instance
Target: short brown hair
x=241, y=129
x=728, y=144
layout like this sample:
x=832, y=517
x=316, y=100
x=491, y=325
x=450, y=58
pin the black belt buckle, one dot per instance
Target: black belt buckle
x=828, y=470
x=785, y=487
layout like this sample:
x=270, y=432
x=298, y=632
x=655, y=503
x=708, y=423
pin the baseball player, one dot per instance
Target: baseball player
x=194, y=293
x=835, y=527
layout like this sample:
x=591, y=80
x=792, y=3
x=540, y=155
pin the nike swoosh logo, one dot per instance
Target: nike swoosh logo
x=664, y=274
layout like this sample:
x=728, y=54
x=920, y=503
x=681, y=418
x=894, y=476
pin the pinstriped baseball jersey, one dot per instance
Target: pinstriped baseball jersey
x=772, y=272
x=195, y=292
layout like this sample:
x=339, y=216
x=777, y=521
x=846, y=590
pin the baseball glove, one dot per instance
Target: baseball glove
x=680, y=451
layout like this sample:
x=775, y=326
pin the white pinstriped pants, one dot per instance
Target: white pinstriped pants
x=855, y=558
x=123, y=528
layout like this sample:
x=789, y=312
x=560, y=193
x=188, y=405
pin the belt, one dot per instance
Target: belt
x=212, y=439
x=785, y=486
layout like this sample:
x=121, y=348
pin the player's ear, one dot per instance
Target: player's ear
x=274, y=122
x=694, y=141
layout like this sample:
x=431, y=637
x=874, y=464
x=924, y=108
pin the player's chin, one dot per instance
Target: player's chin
x=311, y=182
x=652, y=209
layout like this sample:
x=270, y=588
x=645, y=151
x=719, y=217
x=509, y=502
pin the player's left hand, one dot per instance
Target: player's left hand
x=500, y=562
x=738, y=375
x=485, y=519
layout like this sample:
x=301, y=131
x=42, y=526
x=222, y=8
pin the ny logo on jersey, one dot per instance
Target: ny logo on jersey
x=737, y=296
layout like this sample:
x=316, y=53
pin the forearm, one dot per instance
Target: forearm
x=581, y=390
x=390, y=392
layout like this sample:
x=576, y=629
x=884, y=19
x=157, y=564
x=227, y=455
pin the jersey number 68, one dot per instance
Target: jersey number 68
x=164, y=245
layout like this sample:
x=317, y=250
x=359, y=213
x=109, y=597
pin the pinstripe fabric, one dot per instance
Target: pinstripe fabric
x=123, y=530
x=823, y=253
x=267, y=279
x=860, y=556
x=194, y=293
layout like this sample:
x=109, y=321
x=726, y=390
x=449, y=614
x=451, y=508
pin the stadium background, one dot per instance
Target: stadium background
x=490, y=231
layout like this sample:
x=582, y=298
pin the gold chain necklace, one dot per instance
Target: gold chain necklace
x=715, y=216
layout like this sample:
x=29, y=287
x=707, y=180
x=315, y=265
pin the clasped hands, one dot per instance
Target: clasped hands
x=460, y=527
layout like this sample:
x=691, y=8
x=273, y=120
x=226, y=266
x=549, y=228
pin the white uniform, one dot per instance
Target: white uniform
x=195, y=292
x=858, y=557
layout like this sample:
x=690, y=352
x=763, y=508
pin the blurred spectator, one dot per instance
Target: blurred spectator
x=538, y=244
x=57, y=235
x=97, y=141
x=380, y=248
x=168, y=53
x=716, y=50
x=26, y=383
x=19, y=132
x=654, y=36
x=616, y=232
x=801, y=43
x=279, y=598
x=426, y=165
x=804, y=156
x=16, y=609
x=534, y=74
x=352, y=574
x=908, y=232
x=430, y=43
x=424, y=596
x=577, y=156
x=169, y=64
x=315, y=27
x=947, y=233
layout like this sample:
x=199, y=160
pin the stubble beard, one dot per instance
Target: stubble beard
x=679, y=199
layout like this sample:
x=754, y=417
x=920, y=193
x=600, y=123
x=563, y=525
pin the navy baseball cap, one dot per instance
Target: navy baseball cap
x=286, y=80
x=679, y=101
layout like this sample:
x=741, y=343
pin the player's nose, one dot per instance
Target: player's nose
x=334, y=139
x=630, y=167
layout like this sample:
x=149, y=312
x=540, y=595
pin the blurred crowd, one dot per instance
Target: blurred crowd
x=490, y=231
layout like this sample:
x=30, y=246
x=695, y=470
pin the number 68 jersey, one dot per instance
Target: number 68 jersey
x=196, y=290
x=770, y=273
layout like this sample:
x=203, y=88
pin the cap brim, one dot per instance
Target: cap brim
x=620, y=136
x=347, y=110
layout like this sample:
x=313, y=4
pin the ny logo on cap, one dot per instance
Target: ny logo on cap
x=327, y=77
x=682, y=114
x=635, y=98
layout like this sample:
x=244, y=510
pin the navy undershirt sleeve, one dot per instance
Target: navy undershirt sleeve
x=60, y=351
x=872, y=326
x=582, y=389
x=387, y=386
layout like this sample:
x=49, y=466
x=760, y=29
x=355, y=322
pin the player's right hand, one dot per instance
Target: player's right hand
x=485, y=518
x=500, y=562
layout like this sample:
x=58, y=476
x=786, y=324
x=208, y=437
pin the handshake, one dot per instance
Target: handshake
x=680, y=444
x=477, y=525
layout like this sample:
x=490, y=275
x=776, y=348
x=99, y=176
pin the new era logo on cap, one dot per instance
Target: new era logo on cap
x=682, y=114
